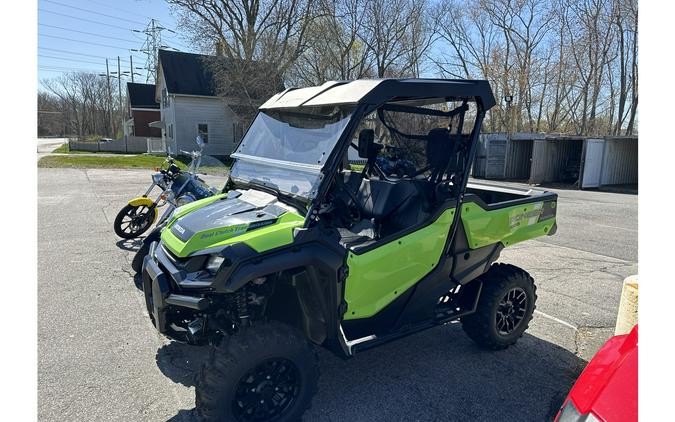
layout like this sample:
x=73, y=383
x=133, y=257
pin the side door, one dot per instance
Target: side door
x=380, y=275
x=593, y=163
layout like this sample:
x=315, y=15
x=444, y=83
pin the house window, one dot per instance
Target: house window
x=203, y=131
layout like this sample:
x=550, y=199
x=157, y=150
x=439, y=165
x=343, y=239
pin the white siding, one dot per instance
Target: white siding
x=191, y=111
x=168, y=115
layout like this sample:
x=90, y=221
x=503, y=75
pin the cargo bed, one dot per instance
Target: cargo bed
x=492, y=213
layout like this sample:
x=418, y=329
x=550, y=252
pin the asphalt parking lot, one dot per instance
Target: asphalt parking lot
x=101, y=359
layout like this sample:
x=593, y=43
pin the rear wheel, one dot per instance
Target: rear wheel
x=267, y=372
x=505, y=307
x=132, y=221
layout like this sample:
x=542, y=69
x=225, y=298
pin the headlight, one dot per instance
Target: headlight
x=571, y=414
x=167, y=195
x=158, y=178
x=213, y=264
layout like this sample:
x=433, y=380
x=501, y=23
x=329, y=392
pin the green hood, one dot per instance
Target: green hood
x=253, y=217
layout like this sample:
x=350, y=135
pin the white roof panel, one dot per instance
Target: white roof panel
x=297, y=97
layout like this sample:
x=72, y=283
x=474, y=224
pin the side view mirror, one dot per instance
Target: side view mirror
x=366, y=141
x=200, y=141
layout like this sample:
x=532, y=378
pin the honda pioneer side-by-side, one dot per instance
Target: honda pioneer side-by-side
x=313, y=243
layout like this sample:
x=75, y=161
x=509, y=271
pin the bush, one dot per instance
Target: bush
x=92, y=138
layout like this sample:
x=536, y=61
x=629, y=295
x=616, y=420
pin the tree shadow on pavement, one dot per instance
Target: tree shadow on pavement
x=435, y=375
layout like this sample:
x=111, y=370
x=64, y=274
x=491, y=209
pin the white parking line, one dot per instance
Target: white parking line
x=552, y=318
x=616, y=227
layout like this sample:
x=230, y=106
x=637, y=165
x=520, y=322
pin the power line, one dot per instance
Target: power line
x=66, y=59
x=87, y=33
x=93, y=12
x=66, y=69
x=84, y=54
x=82, y=19
x=70, y=70
x=84, y=42
x=118, y=9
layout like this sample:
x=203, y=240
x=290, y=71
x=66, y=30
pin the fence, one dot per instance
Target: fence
x=129, y=144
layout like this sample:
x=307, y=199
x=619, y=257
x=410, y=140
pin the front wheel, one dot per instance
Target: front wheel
x=137, y=262
x=505, y=307
x=267, y=372
x=132, y=221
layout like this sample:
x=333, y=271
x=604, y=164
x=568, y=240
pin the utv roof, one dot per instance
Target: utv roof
x=379, y=91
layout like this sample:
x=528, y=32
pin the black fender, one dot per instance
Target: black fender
x=316, y=265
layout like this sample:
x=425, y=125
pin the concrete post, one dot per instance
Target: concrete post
x=627, y=317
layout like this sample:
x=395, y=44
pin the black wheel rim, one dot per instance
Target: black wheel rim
x=266, y=392
x=136, y=219
x=511, y=311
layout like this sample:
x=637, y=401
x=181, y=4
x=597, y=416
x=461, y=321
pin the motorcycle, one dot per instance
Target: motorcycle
x=179, y=187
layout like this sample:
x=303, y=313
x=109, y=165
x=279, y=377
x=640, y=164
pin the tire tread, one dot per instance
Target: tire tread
x=497, y=279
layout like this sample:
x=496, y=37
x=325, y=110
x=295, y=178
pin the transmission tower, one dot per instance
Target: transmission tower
x=153, y=42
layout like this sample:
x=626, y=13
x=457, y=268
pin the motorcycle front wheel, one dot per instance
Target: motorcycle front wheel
x=132, y=221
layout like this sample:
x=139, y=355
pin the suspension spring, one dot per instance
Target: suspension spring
x=242, y=307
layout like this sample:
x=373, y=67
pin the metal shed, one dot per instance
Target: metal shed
x=490, y=159
x=610, y=161
x=576, y=160
x=556, y=159
x=519, y=150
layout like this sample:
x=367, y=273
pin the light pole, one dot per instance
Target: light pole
x=508, y=99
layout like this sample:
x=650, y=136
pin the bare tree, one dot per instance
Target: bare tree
x=271, y=31
x=335, y=49
x=398, y=34
x=85, y=104
x=563, y=61
x=570, y=65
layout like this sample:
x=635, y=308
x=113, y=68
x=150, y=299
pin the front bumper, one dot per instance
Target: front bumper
x=164, y=299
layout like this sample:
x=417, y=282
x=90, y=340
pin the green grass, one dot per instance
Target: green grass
x=63, y=149
x=122, y=162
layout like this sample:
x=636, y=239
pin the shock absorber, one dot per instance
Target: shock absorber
x=242, y=307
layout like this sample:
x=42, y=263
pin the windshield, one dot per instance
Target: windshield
x=286, y=149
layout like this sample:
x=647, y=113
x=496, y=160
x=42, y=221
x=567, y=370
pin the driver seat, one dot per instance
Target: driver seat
x=439, y=150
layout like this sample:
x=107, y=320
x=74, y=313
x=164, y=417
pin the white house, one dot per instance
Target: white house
x=189, y=106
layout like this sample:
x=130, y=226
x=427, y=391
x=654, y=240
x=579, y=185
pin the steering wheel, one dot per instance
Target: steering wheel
x=352, y=204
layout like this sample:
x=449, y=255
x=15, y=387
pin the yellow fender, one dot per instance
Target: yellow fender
x=144, y=200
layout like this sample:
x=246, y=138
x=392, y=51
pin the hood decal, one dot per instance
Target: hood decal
x=232, y=216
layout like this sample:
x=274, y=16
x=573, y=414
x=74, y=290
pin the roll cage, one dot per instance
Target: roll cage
x=406, y=96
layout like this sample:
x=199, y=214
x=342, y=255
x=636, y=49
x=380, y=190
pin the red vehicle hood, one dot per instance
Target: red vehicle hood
x=608, y=387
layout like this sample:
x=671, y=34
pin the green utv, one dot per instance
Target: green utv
x=304, y=249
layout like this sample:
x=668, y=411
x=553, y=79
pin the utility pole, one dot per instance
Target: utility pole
x=131, y=67
x=119, y=82
x=107, y=73
x=119, y=95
